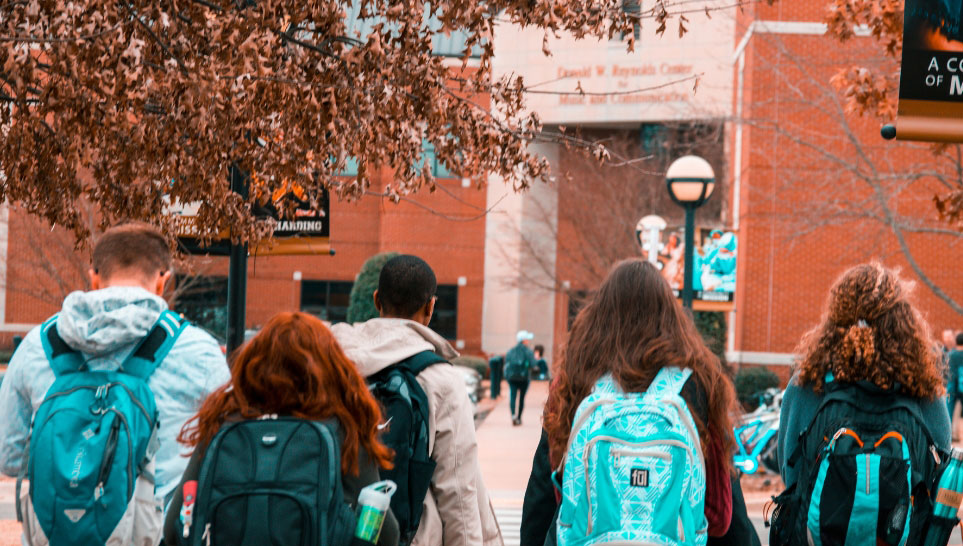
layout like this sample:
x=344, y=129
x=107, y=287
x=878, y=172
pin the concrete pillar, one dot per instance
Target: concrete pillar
x=520, y=252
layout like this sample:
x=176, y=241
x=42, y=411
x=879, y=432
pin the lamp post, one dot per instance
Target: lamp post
x=690, y=181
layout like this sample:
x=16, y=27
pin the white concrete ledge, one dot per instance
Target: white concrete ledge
x=769, y=359
x=17, y=328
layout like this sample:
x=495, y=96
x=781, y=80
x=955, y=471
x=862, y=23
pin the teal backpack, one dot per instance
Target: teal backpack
x=516, y=364
x=634, y=471
x=91, y=449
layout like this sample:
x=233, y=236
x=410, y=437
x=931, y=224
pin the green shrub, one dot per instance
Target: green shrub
x=712, y=326
x=751, y=381
x=476, y=363
x=361, y=304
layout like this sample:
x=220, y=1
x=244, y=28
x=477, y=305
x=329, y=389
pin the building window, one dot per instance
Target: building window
x=327, y=300
x=203, y=301
x=445, y=319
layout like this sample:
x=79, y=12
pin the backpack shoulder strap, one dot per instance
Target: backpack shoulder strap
x=418, y=362
x=669, y=380
x=154, y=348
x=62, y=357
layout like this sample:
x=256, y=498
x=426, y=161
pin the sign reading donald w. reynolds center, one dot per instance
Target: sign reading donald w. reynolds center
x=665, y=78
x=931, y=75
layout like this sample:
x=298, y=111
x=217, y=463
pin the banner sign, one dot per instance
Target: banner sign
x=931, y=76
x=714, y=277
x=308, y=232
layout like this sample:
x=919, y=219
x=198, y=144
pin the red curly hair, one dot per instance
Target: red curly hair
x=872, y=332
x=295, y=367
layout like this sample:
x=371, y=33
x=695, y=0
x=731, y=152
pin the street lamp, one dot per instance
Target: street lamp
x=690, y=181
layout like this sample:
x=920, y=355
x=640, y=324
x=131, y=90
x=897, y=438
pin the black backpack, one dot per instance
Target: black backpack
x=866, y=471
x=516, y=365
x=272, y=481
x=405, y=408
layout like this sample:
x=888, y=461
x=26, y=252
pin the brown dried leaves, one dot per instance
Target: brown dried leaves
x=139, y=104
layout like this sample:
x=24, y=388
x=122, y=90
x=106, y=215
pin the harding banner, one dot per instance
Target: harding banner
x=307, y=232
x=931, y=79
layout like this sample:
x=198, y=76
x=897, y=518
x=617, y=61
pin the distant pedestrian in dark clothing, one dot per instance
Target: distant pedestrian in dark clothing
x=495, y=365
x=518, y=365
x=541, y=366
x=955, y=366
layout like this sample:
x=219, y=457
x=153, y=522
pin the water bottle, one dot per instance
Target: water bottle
x=373, y=503
x=949, y=494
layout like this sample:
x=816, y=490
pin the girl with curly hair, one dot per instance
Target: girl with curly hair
x=870, y=333
x=631, y=329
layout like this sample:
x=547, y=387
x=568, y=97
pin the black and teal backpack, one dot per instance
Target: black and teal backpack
x=517, y=364
x=405, y=408
x=866, y=471
x=91, y=450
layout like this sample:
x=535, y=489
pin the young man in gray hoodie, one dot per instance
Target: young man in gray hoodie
x=131, y=267
x=457, y=509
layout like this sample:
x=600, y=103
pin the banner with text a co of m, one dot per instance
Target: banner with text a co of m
x=931, y=78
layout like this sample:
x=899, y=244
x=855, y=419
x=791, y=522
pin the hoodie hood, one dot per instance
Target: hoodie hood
x=378, y=343
x=101, y=322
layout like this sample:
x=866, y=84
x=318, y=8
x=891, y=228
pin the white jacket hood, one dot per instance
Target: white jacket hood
x=378, y=343
x=100, y=322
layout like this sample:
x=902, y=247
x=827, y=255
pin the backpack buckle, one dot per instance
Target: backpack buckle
x=99, y=405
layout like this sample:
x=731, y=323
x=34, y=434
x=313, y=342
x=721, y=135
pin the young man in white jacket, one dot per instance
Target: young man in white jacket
x=457, y=509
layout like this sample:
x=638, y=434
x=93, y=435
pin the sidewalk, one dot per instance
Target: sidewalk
x=505, y=453
x=9, y=528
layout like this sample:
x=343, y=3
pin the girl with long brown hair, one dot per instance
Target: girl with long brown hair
x=294, y=367
x=631, y=329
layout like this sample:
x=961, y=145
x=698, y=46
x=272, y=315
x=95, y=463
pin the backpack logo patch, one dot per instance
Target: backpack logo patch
x=639, y=477
x=74, y=515
x=75, y=469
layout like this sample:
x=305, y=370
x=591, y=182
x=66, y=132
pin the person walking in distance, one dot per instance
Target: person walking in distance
x=107, y=383
x=441, y=497
x=955, y=386
x=947, y=346
x=519, y=362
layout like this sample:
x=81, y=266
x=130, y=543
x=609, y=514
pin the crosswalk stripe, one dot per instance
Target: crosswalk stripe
x=510, y=521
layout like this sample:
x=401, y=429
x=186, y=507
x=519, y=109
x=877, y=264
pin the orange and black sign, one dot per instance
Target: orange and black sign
x=307, y=231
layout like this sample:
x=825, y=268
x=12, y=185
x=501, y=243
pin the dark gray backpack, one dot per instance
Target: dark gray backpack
x=272, y=481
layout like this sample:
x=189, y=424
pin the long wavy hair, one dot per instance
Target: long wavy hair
x=295, y=367
x=632, y=328
x=871, y=331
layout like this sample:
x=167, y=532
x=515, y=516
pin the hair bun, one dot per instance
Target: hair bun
x=859, y=342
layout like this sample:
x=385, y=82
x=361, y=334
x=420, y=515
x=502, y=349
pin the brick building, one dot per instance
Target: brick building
x=807, y=189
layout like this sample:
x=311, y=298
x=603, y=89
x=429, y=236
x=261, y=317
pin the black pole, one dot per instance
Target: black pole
x=689, y=256
x=237, y=277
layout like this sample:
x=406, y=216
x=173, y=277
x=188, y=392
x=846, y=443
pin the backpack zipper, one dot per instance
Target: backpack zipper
x=619, y=453
x=108, y=461
x=206, y=537
x=130, y=394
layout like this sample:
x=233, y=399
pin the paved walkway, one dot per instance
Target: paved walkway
x=505, y=453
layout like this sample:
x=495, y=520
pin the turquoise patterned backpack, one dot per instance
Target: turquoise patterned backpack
x=634, y=471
